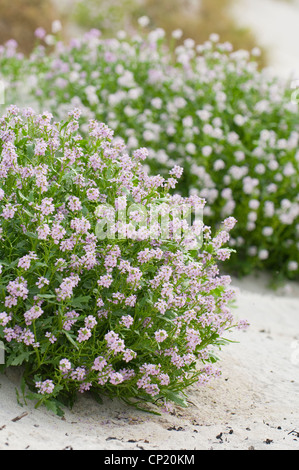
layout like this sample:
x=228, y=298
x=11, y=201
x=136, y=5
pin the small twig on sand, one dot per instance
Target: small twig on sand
x=18, y=418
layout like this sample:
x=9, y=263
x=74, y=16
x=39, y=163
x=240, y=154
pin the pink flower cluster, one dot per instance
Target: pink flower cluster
x=128, y=315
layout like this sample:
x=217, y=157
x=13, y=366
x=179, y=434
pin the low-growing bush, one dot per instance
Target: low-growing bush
x=118, y=307
x=197, y=19
x=204, y=107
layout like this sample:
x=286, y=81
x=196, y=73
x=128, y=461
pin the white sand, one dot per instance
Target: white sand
x=275, y=25
x=255, y=400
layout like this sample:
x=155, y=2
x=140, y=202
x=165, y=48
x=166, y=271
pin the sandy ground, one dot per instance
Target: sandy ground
x=254, y=405
x=275, y=25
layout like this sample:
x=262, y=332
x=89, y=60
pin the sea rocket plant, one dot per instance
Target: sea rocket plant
x=131, y=317
x=205, y=108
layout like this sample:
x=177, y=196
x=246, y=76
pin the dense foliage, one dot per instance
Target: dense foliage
x=125, y=312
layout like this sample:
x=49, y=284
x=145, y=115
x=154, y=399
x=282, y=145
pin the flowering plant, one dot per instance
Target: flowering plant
x=125, y=312
x=207, y=108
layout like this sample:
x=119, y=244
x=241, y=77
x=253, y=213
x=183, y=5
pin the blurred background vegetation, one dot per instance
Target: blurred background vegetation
x=20, y=18
x=197, y=18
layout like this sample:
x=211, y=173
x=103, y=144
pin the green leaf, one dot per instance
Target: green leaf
x=33, y=396
x=23, y=386
x=97, y=397
x=46, y=296
x=24, y=198
x=30, y=151
x=52, y=405
x=18, y=361
x=176, y=398
x=22, y=142
x=71, y=340
x=30, y=234
x=80, y=300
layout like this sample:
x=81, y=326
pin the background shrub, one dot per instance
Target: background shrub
x=204, y=107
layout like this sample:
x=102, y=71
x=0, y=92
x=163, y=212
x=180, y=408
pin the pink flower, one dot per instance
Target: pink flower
x=243, y=325
x=164, y=379
x=65, y=366
x=46, y=387
x=116, y=378
x=50, y=337
x=90, y=322
x=131, y=301
x=176, y=171
x=40, y=33
x=40, y=147
x=18, y=288
x=93, y=194
x=127, y=321
x=114, y=342
x=229, y=223
x=161, y=336
x=42, y=281
x=33, y=314
x=74, y=204
x=99, y=364
x=4, y=318
x=105, y=281
x=9, y=211
x=43, y=232
x=129, y=355
x=83, y=334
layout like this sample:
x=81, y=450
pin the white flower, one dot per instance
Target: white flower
x=215, y=37
x=191, y=148
x=144, y=21
x=226, y=193
x=203, y=114
x=219, y=165
x=155, y=35
x=126, y=80
x=239, y=120
x=252, y=251
x=207, y=150
x=263, y=255
x=254, y=204
x=180, y=102
x=293, y=266
x=50, y=40
x=188, y=121
x=267, y=231
x=289, y=170
x=135, y=93
x=157, y=103
x=256, y=52
x=189, y=43
x=251, y=226
x=56, y=26
x=130, y=111
x=177, y=34
x=252, y=216
x=121, y=35
x=273, y=165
